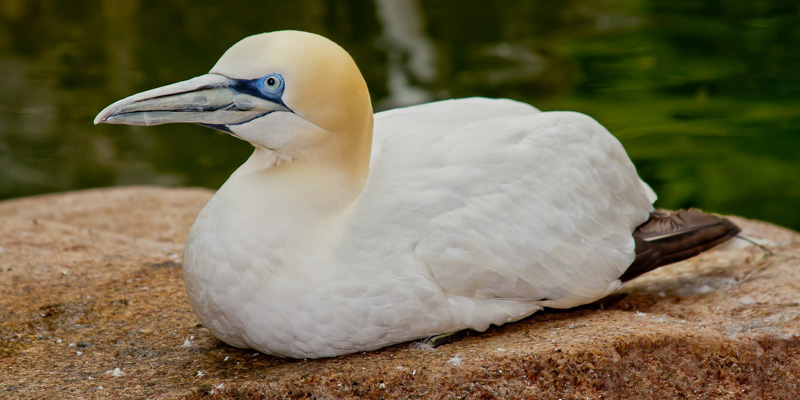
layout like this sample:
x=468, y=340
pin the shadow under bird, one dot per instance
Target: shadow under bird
x=349, y=231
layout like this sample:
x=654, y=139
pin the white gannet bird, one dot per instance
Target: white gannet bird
x=336, y=236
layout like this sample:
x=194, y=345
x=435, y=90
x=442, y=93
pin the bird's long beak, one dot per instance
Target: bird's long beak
x=210, y=99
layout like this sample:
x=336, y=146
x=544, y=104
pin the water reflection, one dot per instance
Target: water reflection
x=703, y=95
x=410, y=54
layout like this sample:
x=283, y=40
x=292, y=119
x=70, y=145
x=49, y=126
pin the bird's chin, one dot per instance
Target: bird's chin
x=222, y=128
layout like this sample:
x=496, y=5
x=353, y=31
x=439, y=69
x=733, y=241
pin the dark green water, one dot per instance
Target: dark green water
x=705, y=96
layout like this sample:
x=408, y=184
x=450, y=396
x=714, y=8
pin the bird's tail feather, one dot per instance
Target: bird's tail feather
x=672, y=236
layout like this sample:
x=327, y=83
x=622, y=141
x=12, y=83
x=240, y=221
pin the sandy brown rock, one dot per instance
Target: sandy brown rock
x=92, y=305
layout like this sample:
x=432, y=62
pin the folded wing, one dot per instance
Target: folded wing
x=501, y=201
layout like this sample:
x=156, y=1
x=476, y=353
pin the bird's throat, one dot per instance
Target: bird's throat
x=320, y=189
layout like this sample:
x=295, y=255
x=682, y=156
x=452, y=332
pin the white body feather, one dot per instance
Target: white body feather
x=475, y=212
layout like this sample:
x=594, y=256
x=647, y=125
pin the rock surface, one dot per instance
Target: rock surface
x=92, y=306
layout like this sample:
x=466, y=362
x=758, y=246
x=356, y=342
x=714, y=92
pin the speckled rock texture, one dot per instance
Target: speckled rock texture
x=92, y=305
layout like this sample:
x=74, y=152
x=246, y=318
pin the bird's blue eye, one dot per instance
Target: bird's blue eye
x=273, y=83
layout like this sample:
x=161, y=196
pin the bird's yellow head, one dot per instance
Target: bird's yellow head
x=295, y=93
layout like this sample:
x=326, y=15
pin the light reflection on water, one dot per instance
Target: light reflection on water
x=705, y=97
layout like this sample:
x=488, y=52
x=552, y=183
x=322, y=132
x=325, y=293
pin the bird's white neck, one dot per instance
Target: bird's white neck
x=313, y=187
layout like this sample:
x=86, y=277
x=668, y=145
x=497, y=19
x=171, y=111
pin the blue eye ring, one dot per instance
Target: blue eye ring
x=272, y=83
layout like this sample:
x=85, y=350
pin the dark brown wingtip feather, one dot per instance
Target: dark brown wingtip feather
x=672, y=236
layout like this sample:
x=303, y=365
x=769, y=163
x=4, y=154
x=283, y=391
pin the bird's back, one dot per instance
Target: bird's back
x=501, y=203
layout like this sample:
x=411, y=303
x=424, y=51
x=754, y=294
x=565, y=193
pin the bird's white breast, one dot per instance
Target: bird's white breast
x=264, y=271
